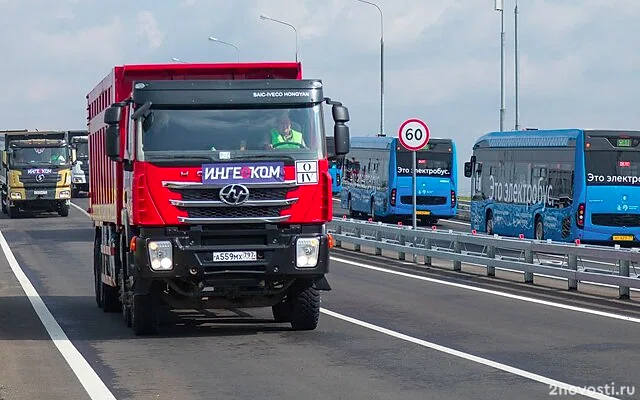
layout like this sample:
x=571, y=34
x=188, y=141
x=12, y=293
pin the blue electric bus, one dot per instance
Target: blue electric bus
x=335, y=167
x=377, y=180
x=557, y=184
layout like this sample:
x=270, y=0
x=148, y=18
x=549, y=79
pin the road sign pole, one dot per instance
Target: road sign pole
x=414, y=135
x=415, y=186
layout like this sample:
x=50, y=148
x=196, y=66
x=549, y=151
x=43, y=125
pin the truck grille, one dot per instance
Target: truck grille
x=48, y=180
x=214, y=194
x=628, y=220
x=203, y=204
x=233, y=212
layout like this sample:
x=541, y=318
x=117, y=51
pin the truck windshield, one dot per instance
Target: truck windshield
x=82, y=150
x=39, y=156
x=613, y=168
x=297, y=132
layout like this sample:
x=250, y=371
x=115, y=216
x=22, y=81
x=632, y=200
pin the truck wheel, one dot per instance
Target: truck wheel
x=143, y=314
x=282, y=311
x=305, y=307
x=64, y=210
x=12, y=211
x=110, y=300
x=97, y=271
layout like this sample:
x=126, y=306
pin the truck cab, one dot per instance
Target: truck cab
x=80, y=171
x=36, y=173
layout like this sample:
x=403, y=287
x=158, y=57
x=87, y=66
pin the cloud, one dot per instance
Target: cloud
x=148, y=27
x=579, y=59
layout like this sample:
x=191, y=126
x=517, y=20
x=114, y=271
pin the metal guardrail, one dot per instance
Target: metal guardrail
x=452, y=246
x=464, y=210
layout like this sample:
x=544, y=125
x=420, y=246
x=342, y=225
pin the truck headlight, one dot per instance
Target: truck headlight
x=307, y=250
x=161, y=255
x=16, y=195
x=64, y=194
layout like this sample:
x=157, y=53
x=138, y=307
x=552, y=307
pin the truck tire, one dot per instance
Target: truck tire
x=305, y=307
x=97, y=270
x=143, y=314
x=64, y=210
x=12, y=211
x=110, y=299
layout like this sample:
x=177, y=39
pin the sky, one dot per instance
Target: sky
x=579, y=59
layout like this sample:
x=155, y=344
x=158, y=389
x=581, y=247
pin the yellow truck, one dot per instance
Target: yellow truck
x=36, y=172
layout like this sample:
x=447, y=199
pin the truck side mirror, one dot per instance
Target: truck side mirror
x=340, y=113
x=112, y=115
x=112, y=142
x=342, y=142
x=467, y=169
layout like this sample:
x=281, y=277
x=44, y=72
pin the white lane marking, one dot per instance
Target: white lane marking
x=89, y=379
x=453, y=221
x=490, y=291
x=80, y=209
x=470, y=357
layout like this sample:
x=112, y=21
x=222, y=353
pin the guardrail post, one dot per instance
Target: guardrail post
x=491, y=253
x=338, y=243
x=624, y=271
x=427, y=246
x=528, y=258
x=356, y=247
x=378, y=239
x=572, y=262
x=415, y=247
x=402, y=240
x=457, y=265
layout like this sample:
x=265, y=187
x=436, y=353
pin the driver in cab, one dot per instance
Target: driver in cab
x=284, y=136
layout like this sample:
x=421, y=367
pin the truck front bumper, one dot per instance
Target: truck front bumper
x=232, y=257
x=48, y=198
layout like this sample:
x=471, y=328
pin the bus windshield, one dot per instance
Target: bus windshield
x=606, y=167
x=428, y=164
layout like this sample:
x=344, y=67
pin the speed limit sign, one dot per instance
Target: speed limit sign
x=413, y=134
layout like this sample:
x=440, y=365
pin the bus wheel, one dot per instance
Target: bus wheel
x=539, y=230
x=489, y=223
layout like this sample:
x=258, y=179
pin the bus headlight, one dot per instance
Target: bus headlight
x=160, y=255
x=307, y=251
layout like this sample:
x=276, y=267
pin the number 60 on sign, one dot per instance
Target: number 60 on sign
x=414, y=134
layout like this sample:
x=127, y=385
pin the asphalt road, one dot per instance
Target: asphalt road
x=381, y=336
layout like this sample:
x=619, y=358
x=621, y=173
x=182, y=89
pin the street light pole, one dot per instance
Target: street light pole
x=295, y=31
x=381, y=64
x=499, y=6
x=213, y=39
x=517, y=69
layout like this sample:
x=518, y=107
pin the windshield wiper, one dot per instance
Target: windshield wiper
x=182, y=157
x=275, y=157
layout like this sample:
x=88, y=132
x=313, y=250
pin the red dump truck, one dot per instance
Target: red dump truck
x=209, y=189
